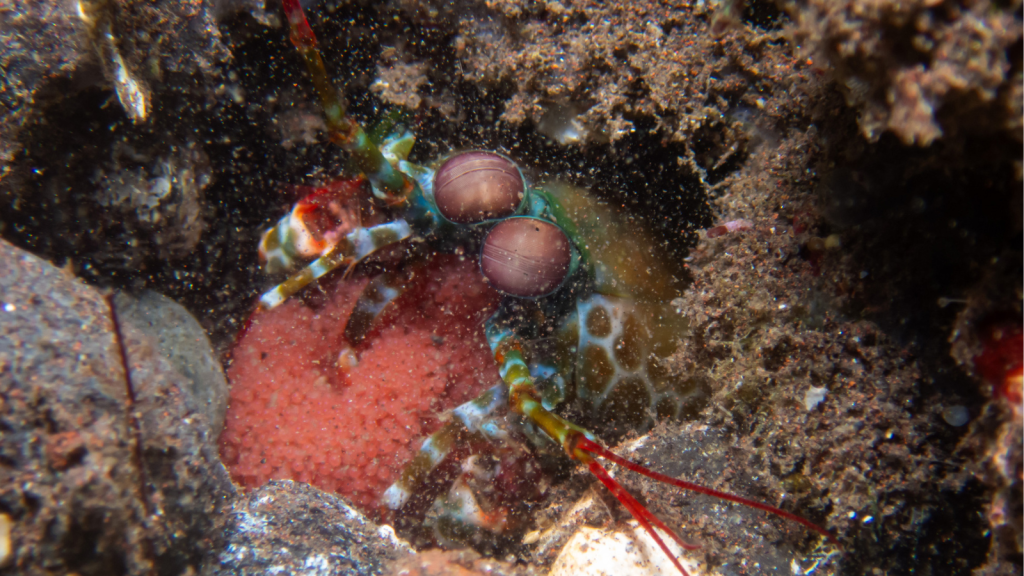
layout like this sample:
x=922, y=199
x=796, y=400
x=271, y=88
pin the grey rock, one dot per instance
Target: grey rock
x=68, y=477
x=733, y=537
x=101, y=473
x=287, y=527
x=182, y=341
x=186, y=485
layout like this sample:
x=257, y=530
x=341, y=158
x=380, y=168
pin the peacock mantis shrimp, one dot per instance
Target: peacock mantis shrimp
x=584, y=316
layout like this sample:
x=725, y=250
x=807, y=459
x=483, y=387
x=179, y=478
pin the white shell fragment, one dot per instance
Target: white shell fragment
x=629, y=551
x=813, y=397
x=6, y=550
x=561, y=123
x=956, y=416
x=130, y=91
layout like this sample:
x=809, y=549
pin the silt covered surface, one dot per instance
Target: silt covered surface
x=875, y=147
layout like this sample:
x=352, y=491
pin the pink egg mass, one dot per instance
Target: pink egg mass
x=296, y=412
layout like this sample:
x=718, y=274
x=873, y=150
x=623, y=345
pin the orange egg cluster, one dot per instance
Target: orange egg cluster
x=295, y=411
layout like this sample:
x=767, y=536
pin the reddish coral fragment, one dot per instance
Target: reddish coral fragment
x=730, y=226
x=1001, y=361
x=64, y=449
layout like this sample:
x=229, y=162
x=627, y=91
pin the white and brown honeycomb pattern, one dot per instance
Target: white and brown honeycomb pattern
x=621, y=374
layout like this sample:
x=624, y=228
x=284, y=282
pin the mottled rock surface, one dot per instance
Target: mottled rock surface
x=143, y=69
x=69, y=477
x=53, y=50
x=37, y=41
x=875, y=145
x=186, y=486
x=949, y=65
x=732, y=537
x=463, y=562
x=287, y=527
x=101, y=474
x=627, y=551
x=183, y=342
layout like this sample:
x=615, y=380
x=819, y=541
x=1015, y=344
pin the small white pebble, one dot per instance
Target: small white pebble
x=629, y=552
x=6, y=550
x=783, y=306
x=851, y=515
x=8, y=307
x=867, y=519
x=813, y=397
x=956, y=416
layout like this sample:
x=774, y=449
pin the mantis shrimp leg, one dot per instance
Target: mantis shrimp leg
x=582, y=446
x=388, y=183
x=355, y=246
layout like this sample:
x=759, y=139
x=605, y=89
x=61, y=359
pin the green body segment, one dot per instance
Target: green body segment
x=278, y=247
x=622, y=256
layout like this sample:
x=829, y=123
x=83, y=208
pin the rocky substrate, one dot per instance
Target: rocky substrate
x=837, y=184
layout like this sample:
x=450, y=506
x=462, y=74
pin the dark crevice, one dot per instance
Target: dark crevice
x=133, y=423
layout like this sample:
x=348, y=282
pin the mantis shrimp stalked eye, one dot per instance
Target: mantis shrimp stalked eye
x=585, y=317
x=526, y=257
x=473, y=187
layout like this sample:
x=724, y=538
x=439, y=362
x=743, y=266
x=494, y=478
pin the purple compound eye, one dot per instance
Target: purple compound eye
x=526, y=257
x=476, y=186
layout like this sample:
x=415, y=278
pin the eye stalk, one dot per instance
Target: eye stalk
x=526, y=257
x=477, y=186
